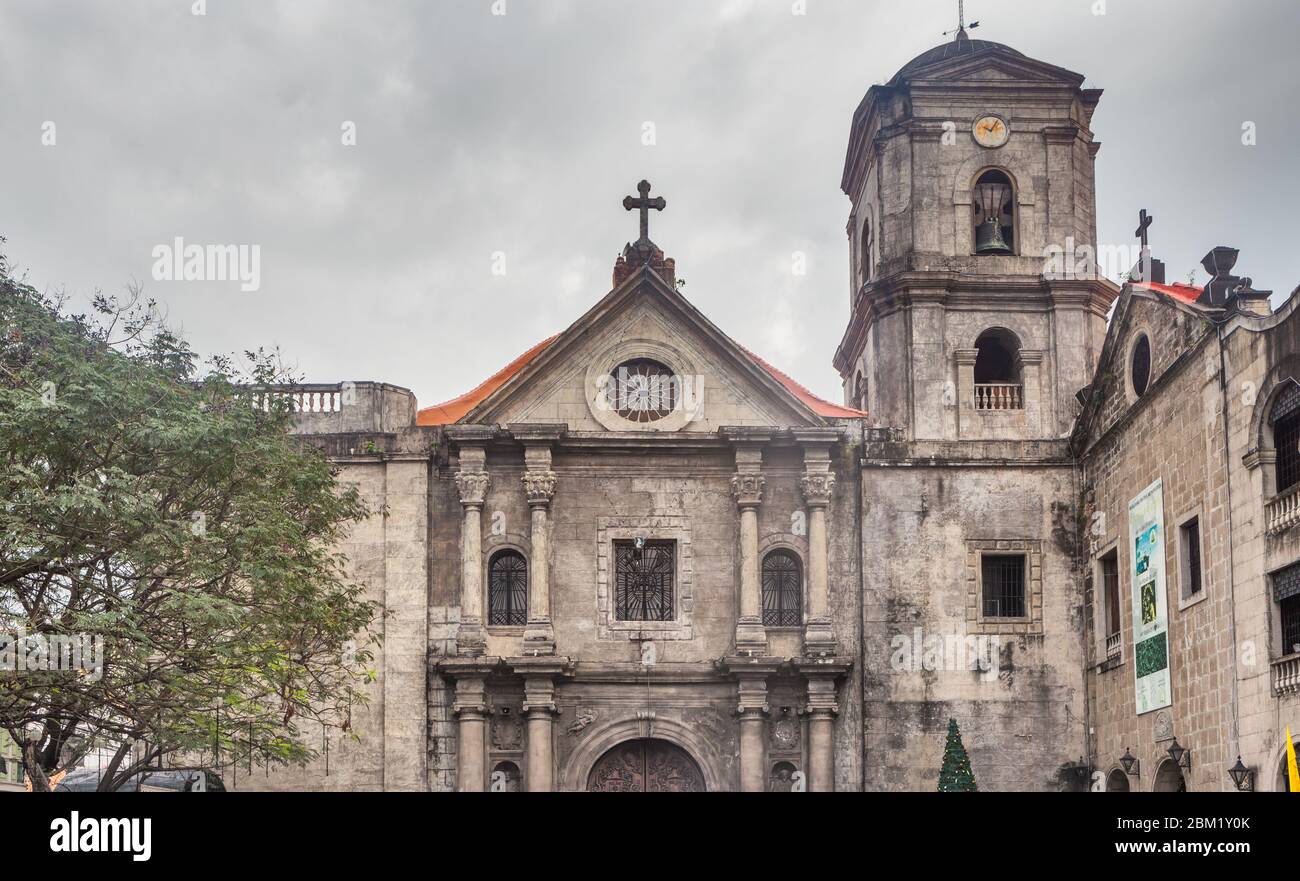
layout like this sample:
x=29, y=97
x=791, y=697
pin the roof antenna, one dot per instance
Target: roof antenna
x=962, y=27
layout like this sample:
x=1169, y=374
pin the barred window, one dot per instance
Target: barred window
x=1110, y=588
x=1191, y=562
x=1285, y=418
x=1003, y=579
x=644, y=390
x=1286, y=591
x=782, y=590
x=507, y=589
x=643, y=580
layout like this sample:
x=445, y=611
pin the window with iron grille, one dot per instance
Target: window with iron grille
x=1003, y=581
x=1191, y=563
x=507, y=589
x=1110, y=590
x=782, y=590
x=643, y=580
x=1285, y=418
x=1286, y=591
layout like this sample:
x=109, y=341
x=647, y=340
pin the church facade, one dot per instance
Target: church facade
x=640, y=558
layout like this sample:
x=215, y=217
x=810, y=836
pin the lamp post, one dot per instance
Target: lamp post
x=1242, y=777
x=1131, y=764
x=1181, y=755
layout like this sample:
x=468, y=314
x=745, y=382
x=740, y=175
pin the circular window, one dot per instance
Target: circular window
x=644, y=390
x=1140, y=365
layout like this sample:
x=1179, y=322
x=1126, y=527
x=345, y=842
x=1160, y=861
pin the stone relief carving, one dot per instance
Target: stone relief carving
x=586, y=715
x=507, y=729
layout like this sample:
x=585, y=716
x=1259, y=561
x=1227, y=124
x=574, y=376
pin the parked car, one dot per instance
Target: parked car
x=87, y=780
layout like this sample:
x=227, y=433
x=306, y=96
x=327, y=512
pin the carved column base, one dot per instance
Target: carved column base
x=539, y=638
x=819, y=638
x=751, y=637
x=471, y=640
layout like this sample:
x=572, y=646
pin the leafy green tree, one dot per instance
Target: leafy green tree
x=956, y=775
x=164, y=509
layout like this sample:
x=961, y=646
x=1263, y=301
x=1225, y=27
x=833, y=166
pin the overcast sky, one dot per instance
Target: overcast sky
x=521, y=133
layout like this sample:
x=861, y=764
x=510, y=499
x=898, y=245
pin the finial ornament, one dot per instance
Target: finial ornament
x=644, y=204
x=962, y=27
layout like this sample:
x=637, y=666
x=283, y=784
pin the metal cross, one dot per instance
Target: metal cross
x=644, y=203
x=1144, y=221
x=961, y=20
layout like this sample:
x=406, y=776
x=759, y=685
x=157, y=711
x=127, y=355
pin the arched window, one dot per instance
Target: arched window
x=1140, y=366
x=1284, y=418
x=997, y=373
x=507, y=589
x=644, y=390
x=505, y=777
x=859, y=392
x=782, y=590
x=868, y=245
x=993, y=214
x=1117, y=781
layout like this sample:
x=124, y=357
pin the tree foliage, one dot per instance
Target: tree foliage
x=956, y=774
x=163, y=508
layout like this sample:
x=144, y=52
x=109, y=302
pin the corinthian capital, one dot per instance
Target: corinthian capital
x=473, y=486
x=817, y=488
x=540, y=486
x=748, y=488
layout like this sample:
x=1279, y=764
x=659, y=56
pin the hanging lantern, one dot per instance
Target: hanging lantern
x=991, y=197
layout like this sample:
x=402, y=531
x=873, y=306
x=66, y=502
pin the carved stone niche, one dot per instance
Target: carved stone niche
x=507, y=728
x=785, y=730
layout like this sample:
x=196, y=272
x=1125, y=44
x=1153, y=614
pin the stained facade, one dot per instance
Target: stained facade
x=639, y=558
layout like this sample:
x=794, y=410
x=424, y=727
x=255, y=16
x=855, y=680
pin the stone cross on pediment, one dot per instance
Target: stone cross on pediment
x=644, y=204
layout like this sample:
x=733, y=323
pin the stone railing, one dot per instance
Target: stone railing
x=307, y=398
x=999, y=396
x=1286, y=675
x=1282, y=511
x=1112, y=646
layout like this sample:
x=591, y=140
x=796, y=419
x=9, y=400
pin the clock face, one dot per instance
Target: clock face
x=991, y=131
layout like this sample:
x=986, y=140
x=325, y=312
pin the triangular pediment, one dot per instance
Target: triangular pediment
x=994, y=65
x=644, y=318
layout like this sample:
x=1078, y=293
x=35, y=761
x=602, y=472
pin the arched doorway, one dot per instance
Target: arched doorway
x=1117, y=781
x=646, y=765
x=1170, y=778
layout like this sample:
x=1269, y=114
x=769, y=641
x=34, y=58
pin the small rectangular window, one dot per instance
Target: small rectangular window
x=1110, y=592
x=1003, y=581
x=1190, y=542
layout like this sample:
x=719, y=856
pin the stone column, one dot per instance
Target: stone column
x=473, y=481
x=1029, y=364
x=817, y=483
x=539, y=676
x=471, y=713
x=967, y=427
x=752, y=709
x=747, y=488
x=751, y=637
x=821, y=710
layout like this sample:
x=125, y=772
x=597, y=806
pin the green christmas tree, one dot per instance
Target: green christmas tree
x=956, y=775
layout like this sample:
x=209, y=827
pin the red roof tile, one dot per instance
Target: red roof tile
x=455, y=409
x=1185, y=292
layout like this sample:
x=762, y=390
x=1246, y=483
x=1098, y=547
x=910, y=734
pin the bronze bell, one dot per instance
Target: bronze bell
x=991, y=197
x=988, y=238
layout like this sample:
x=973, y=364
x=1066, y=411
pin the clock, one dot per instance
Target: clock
x=991, y=131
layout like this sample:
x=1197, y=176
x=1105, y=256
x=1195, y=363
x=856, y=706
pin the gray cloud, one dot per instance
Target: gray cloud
x=521, y=134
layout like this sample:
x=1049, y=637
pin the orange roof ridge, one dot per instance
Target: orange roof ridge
x=455, y=409
x=820, y=406
x=1185, y=292
x=451, y=411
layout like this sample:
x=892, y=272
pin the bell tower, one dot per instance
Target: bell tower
x=965, y=172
